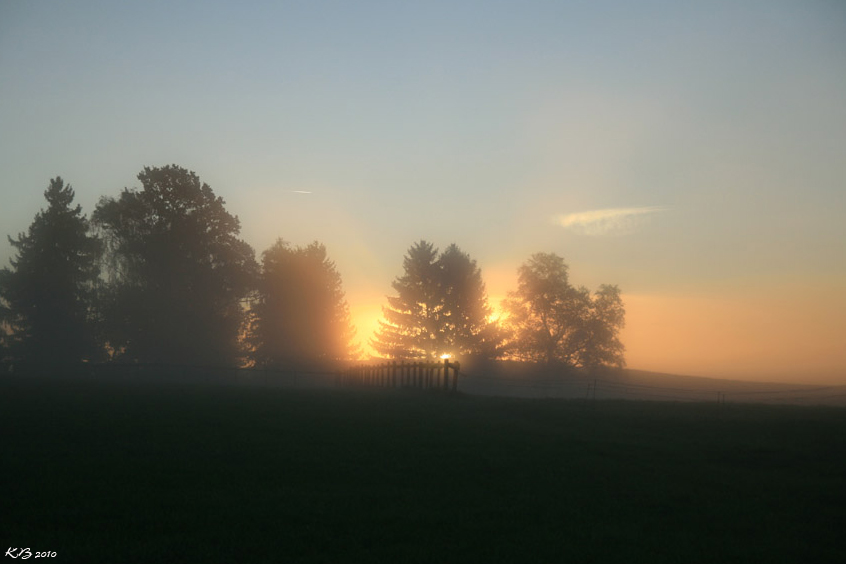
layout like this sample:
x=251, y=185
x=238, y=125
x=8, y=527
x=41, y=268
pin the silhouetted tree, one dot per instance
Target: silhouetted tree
x=46, y=297
x=554, y=322
x=597, y=341
x=465, y=316
x=299, y=316
x=178, y=271
x=410, y=325
x=440, y=307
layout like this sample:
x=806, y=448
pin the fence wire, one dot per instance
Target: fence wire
x=472, y=383
x=602, y=388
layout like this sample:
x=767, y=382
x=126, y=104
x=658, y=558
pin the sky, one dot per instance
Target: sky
x=693, y=153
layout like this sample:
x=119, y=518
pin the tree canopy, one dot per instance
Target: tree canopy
x=46, y=297
x=177, y=271
x=299, y=315
x=555, y=323
x=440, y=308
x=160, y=275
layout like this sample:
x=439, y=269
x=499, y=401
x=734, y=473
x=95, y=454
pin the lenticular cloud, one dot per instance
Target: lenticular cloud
x=608, y=221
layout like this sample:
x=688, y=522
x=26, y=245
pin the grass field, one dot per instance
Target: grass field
x=129, y=473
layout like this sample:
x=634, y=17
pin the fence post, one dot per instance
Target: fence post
x=454, y=375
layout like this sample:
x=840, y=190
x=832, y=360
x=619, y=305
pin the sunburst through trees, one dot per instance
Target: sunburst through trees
x=180, y=287
x=441, y=308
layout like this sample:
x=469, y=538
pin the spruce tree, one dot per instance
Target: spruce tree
x=440, y=308
x=299, y=316
x=464, y=315
x=47, y=294
x=410, y=326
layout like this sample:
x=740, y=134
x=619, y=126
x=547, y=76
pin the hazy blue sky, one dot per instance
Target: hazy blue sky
x=690, y=152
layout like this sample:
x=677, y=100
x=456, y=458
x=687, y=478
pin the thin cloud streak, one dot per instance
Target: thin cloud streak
x=608, y=221
x=300, y=192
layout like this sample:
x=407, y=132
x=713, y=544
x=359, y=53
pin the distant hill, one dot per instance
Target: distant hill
x=522, y=380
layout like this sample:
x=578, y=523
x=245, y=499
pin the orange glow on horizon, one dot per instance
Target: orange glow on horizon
x=779, y=334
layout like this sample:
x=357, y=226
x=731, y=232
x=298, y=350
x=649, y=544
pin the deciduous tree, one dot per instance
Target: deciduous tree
x=555, y=323
x=178, y=271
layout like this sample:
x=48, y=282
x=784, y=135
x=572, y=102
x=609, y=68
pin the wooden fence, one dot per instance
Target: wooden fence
x=422, y=375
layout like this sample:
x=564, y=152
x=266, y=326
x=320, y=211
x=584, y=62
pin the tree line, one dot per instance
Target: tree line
x=160, y=275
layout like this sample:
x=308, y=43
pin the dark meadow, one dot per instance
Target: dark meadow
x=130, y=472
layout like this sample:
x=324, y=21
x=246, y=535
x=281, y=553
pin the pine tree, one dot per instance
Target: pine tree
x=440, y=308
x=410, y=326
x=465, y=316
x=47, y=295
x=299, y=316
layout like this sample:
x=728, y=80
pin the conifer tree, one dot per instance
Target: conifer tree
x=465, y=316
x=299, y=316
x=46, y=297
x=440, y=308
x=410, y=326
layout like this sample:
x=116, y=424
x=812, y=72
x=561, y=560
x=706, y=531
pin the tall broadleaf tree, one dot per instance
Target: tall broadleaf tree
x=178, y=272
x=46, y=296
x=597, y=341
x=440, y=308
x=299, y=316
x=554, y=323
